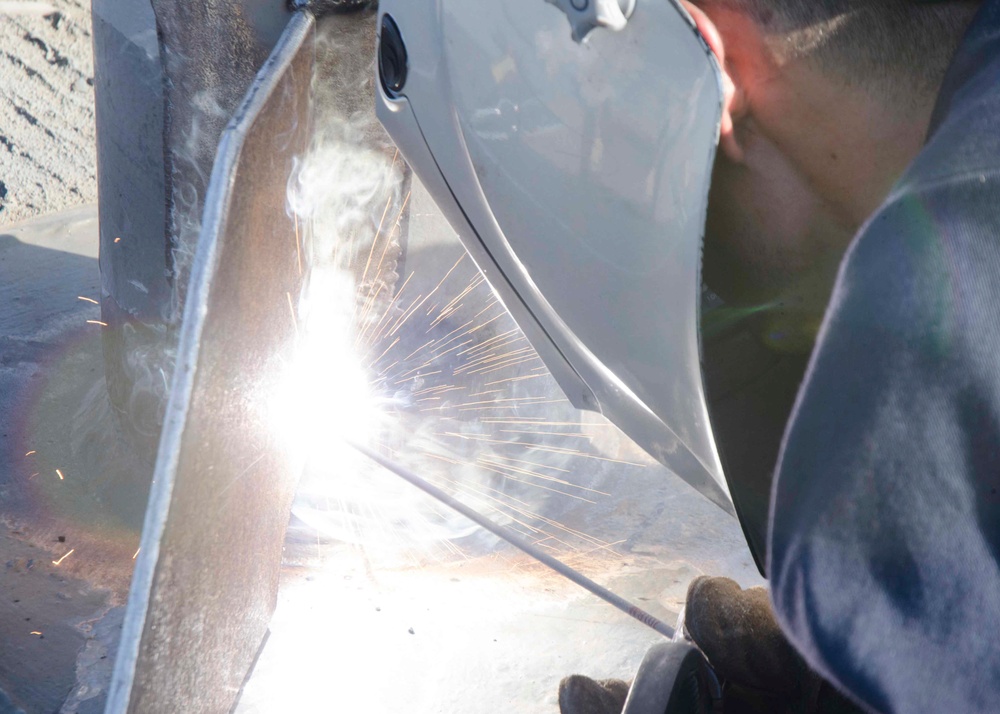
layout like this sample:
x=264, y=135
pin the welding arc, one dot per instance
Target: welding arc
x=522, y=545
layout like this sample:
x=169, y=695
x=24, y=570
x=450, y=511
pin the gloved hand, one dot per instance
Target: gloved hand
x=761, y=671
x=583, y=695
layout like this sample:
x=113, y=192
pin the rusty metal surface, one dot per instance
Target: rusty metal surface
x=210, y=52
x=206, y=578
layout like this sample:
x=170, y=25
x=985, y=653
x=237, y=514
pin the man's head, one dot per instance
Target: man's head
x=827, y=102
x=879, y=44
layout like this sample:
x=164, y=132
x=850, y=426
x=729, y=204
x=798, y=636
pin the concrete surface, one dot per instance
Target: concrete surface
x=47, y=157
x=70, y=504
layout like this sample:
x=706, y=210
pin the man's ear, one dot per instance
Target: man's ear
x=733, y=99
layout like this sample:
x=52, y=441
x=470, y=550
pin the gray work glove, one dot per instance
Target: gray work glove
x=761, y=671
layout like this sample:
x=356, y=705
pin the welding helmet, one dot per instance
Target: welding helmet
x=570, y=144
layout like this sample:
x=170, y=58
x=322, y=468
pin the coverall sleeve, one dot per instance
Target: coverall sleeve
x=885, y=517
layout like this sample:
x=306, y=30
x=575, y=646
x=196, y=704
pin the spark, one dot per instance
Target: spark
x=521, y=402
x=547, y=433
x=475, y=361
x=118, y=240
x=437, y=409
x=444, y=341
x=97, y=322
x=241, y=474
x=405, y=316
x=387, y=315
x=375, y=361
x=428, y=297
x=477, y=328
x=583, y=557
x=371, y=252
x=386, y=370
x=514, y=379
x=514, y=361
x=414, y=353
x=291, y=309
x=447, y=275
x=541, y=447
x=443, y=389
x=60, y=475
x=366, y=309
x=388, y=240
x=87, y=299
x=486, y=360
x=33, y=475
x=136, y=553
x=484, y=346
x=298, y=241
x=525, y=512
x=34, y=632
x=30, y=453
x=488, y=306
x=453, y=305
x=417, y=376
x=57, y=562
x=428, y=363
x=446, y=312
x=511, y=399
x=467, y=490
x=531, y=463
x=529, y=472
x=458, y=298
x=546, y=422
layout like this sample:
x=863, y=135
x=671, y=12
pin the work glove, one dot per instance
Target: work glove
x=760, y=670
x=583, y=695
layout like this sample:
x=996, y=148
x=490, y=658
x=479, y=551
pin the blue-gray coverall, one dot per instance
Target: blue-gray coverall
x=884, y=545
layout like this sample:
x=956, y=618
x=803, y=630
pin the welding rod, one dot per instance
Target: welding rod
x=522, y=545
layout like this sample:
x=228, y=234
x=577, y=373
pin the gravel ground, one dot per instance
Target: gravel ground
x=47, y=154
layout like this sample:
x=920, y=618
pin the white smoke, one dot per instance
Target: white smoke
x=402, y=344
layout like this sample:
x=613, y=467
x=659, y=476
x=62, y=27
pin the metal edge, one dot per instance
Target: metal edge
x=571, y=363
x=213, y=225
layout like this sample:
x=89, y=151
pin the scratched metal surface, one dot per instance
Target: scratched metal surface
x=206, y=579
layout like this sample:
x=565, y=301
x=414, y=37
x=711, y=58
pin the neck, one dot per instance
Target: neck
x=850, y=145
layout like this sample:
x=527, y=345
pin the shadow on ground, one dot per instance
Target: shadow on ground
x=71, y=499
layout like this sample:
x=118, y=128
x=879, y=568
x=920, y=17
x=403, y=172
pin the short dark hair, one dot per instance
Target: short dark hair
x=873, y=43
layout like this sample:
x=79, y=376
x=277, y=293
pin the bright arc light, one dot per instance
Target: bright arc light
x=328, y=397
x=324, y=397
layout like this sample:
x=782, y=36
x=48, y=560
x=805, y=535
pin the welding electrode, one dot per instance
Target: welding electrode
x=522, y=545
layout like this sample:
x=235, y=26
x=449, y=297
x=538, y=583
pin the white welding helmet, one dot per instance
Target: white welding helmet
x=570, y=144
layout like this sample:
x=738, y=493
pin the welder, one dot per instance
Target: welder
x=884, y=542
x=853, y=215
